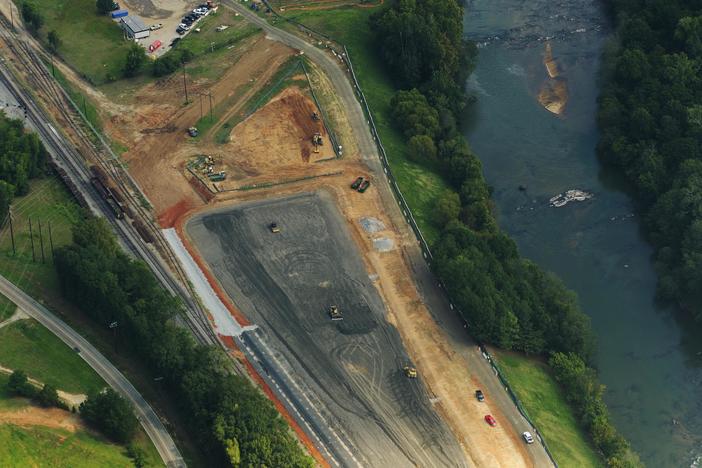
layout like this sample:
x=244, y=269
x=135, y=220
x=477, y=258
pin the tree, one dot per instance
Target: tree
x=18, y=384
x=448, y=207
x=48, y=396
x=136, y=56
x=422, y=149
x=413, y=114
x=32, y=18
x=111, y=414
x=54, y=40
x=103, y=6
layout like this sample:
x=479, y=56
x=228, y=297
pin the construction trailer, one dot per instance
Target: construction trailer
x=134, y=27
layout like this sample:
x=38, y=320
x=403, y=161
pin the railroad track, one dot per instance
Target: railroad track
x=102, y=156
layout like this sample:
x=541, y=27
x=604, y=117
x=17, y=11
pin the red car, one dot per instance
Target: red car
x=490, y=420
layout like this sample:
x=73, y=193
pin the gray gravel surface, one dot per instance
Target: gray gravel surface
x=285, y=283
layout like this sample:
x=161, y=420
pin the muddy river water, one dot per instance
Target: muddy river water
x=534, y=126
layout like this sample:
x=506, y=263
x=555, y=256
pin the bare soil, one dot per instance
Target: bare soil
x=48, y=417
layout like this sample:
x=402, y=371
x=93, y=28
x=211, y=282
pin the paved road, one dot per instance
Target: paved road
x=114, y=378
x=432, y=294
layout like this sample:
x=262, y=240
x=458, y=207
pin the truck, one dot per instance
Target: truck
x=410, y=372
x=335, y=314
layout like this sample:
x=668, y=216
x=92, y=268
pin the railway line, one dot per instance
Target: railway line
x=102, y=157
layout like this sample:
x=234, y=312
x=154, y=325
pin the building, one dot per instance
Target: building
x=134, y=27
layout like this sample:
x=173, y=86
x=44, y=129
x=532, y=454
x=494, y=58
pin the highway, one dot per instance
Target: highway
x=114, y=378
x=433, y=296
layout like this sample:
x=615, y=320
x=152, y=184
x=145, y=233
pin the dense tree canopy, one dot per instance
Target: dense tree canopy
x=111, y=414
x=22, y=157
x=232, y=420
x=650, y=116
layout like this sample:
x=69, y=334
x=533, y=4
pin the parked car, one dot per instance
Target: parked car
x=490, y=420
x=528, y=437
x=175, y=41
x=180, y=31
x=156, y=26
x=479, y=395
x=184, y=27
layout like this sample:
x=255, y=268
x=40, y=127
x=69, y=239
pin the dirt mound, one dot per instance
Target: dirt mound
x=169, y=216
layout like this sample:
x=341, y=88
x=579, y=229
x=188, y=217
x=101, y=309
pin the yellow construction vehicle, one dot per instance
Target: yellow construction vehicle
x=410, y=372
x=335, y=313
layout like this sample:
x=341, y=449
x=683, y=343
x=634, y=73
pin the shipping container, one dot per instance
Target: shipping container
x=119, y=14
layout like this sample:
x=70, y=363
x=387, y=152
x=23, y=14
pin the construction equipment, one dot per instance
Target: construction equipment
x=317, y=141
x=335, y=313
x=274, y=228
x=192, y=131
x=410, y=372
x=315, y=116
x=357, y=183
x=217, y=176
x=364, y=186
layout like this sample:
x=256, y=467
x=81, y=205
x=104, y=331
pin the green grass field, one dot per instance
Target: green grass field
x=50, y=204
x=92, y=44
x=546, y=405
x=7, y=308
x=29, y=346
x=420, y=186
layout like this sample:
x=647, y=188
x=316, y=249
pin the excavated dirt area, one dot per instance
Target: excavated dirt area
x=48, y=417
x=155, y=131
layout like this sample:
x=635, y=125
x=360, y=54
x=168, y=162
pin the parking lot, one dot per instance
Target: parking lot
x=168, y=13
x=286, y=282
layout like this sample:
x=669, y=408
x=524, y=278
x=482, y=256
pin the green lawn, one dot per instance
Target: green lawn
x=420, y=186
x=546, y=405
x=50, y=204
x=41, y=446
x=29, y=346
x=7, y=308
x=92, y=44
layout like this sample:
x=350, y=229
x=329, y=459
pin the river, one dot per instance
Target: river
x=649, y=360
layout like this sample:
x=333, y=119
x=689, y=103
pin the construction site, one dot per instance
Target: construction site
x=259, y=170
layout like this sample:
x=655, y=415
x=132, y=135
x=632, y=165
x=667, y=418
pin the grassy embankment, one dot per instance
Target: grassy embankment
x=539, y=393
x=91, y=44
x=28, y=346
x=546, y=405
x=421, y=187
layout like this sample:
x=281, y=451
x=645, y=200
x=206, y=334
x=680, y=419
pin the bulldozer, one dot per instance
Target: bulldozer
x=335, y=313
x=317, y=141
x=410, y=372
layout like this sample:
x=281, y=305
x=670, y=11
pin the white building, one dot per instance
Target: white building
x=134, y=27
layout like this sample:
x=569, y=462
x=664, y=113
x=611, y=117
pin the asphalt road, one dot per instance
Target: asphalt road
x=428, y=286
x=285, y=283
x=114, y=378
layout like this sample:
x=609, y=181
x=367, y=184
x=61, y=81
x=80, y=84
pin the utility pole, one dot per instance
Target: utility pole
x=185, y=84
x=41, y=243
x=31, y=238
x=12, y=234
x=211, y=114
x=51, y=241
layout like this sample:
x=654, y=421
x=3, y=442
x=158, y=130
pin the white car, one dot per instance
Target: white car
x=528, y=438
x=156, y=26
x=184, y=27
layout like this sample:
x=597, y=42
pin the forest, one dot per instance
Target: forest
x=232, y=421
x=505, y=299
x=650, y=119
x=22, y=157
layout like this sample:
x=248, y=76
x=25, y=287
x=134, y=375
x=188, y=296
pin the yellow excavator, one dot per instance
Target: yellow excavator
x=410, y=372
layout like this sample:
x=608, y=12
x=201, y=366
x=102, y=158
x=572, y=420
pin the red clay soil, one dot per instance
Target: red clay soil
x=169, y=217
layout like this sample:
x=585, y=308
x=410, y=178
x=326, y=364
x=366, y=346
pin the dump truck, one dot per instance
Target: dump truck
x=357, y=183
x=335, y=313
x=410, y=372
